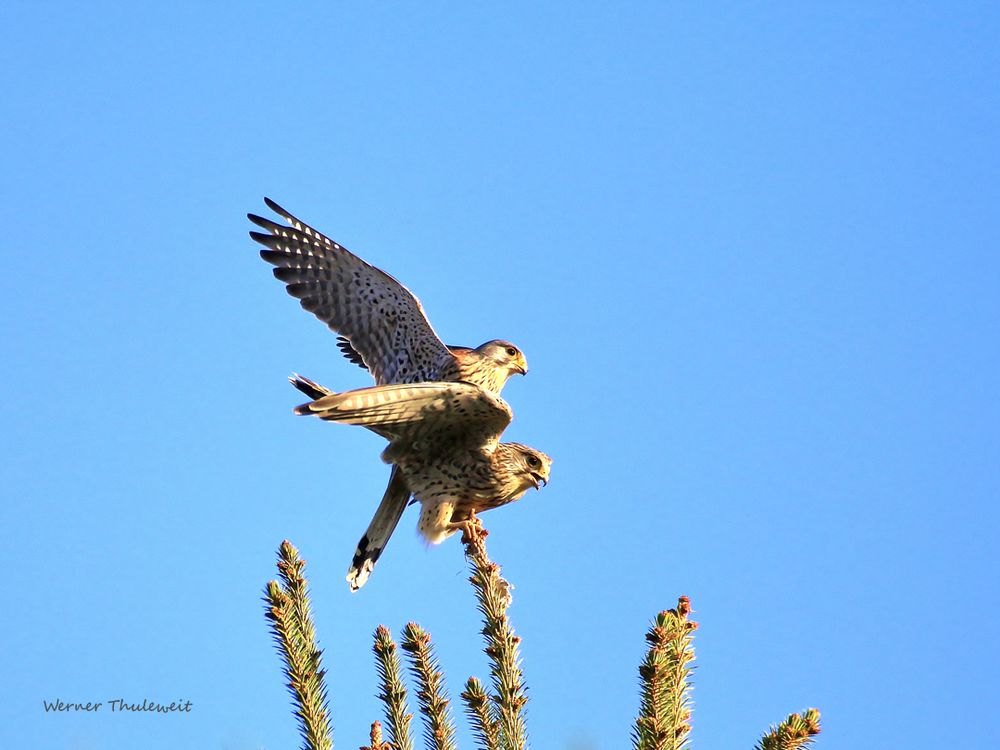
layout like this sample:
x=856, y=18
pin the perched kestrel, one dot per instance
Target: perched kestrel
x=445, y=440
x=382, y=328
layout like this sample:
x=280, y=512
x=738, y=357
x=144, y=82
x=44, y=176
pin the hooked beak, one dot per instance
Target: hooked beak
x=523, y=370
x=538, y=479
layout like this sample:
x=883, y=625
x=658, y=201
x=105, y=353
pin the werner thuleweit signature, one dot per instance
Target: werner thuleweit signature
x=118, y=705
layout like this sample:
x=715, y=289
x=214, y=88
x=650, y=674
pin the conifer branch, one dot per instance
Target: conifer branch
x=493, y=594
x=393, y=691
x=497, y=715
x=797, y=731
x=665, y=679
x=481, y=713
x=294, y=636
x=439, y=731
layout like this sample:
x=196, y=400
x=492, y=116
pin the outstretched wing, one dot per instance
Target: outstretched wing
x=437, y=416
x=344, y=344
x=351, y=354
x=383, y=321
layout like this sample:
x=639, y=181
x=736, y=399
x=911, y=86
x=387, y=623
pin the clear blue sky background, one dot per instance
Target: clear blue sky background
x=750, y=250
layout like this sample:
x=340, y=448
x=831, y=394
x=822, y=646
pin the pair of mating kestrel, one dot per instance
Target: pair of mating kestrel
x=438, y=406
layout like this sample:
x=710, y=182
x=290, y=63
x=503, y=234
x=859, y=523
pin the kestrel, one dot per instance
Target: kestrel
x=382, y=328
x=381, y=323
x=445, y=440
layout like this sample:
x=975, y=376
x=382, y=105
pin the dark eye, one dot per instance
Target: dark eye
x=532, y=461
x=511, y=351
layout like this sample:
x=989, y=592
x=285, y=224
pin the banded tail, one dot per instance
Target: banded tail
x=309, y=387
x=386, y=517
x=376, y=536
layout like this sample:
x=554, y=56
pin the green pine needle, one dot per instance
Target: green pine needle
x=439, y=731
x=392, y=690
x=493, y=595
x=665, y=678
x=481, y=710
x=289, y=614
x=794, y=733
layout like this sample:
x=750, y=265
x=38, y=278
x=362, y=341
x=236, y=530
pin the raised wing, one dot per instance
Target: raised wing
x=438, y=416
x=383, y=321
x=344, y=344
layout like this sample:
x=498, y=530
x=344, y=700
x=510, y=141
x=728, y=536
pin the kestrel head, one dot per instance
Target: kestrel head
x=529, y=466
x=505, y=354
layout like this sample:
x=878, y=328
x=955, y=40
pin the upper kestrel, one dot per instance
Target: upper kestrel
x=445, y=439
x=383, y=328
x=381, y=323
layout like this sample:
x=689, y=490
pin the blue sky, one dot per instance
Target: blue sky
x=750, y=251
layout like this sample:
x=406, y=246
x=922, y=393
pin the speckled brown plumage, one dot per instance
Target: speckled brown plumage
x=381, y=322
x=382, y=328
x=445, y=439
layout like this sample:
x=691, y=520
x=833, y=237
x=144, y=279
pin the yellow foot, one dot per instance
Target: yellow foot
x=473, y=530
